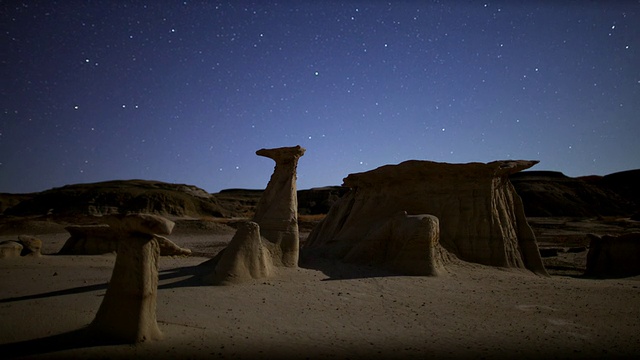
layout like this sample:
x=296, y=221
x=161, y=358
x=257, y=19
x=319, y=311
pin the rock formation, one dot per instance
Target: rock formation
x=277, y=210
x=32, y=246
x=169, y=248
x=10, y=249
x=271, y=239
x=100, y=239
x=128, y=310
x=481, y=218
x=26, y=245
x=551, y=193
x=89, y=240
x=614, y=256
x=407, y=244
x=245, y=258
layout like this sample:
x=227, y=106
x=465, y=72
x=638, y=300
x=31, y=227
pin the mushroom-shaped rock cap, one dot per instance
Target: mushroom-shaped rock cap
x=140, y=223
x=283, y=153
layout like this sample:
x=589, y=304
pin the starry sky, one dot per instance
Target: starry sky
x=187, y=91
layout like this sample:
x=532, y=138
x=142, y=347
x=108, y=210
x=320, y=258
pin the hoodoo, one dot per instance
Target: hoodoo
x=128, y=310
x=277, y=210
x=271, y=238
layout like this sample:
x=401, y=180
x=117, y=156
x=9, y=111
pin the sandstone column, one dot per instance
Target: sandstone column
x=128, y=310
x=277, y=210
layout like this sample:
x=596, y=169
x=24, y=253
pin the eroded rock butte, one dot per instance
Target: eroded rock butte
x=480, y=217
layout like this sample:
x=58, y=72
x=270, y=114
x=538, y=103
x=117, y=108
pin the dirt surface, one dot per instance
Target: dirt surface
x=329, y=310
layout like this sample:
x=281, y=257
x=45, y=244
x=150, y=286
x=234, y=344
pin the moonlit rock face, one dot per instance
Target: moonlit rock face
x=277, y=210
x=271, y=239
x=128, y=310
x=245, y=258
x=481, y=218
x=284, y=154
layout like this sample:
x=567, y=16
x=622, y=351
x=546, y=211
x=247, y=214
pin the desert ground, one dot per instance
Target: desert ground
x=325, y=309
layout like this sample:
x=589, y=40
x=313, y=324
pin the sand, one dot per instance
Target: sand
x=325, y=310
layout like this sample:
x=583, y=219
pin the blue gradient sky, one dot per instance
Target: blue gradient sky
x=186, y=92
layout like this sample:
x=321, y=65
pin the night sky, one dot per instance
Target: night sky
x=186, y=92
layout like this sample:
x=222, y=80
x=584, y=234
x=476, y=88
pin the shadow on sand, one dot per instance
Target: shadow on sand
x=85, y=337
x=76, y=339
x=193, y=276
x=71, y=291
x=339, y=270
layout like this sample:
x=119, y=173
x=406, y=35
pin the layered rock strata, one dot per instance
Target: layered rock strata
x=481, y=218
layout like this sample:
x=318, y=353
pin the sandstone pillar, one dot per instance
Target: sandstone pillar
x=128, y=310
x=277, y=210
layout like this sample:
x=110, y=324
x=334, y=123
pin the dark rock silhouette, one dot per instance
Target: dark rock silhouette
x=118, y=197
x=101, y=239
x=407, y=244
x=550, y=193
x=614, y=256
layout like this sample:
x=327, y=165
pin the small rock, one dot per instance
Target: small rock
x=10, y=248
x=32, y=245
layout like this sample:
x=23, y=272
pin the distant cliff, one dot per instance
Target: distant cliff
x=550, y=193
x=118, y=196
x=544, y=193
